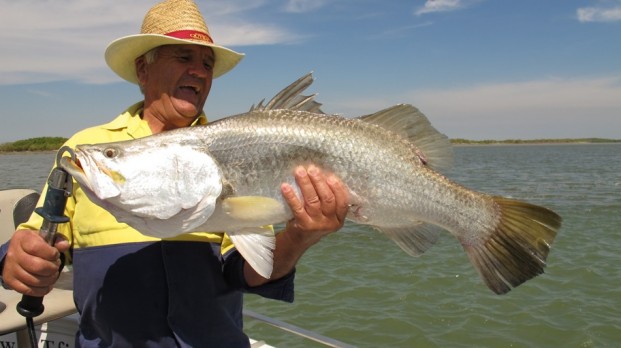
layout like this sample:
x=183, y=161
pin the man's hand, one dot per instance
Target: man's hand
x=323, y=207
x=321, y=211
x=31, y=266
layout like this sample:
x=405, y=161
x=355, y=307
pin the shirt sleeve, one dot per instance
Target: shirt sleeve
x=280, y=289
x=3, y=250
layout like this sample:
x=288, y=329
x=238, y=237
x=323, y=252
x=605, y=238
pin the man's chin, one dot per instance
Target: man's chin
x=187, y=108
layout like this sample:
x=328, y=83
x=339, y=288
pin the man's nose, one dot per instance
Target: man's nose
x=198, y=69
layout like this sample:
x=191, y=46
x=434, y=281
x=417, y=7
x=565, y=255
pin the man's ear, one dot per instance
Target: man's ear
x=141, y=69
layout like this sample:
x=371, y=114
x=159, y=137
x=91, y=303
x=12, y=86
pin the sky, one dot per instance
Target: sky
x=479, y=69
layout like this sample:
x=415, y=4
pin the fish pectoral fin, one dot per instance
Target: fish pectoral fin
x=256, y=246
x=414, y=240
x=254, y=210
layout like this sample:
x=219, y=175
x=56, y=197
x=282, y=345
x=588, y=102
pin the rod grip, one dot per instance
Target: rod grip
x=52, y=212
x=30, y=306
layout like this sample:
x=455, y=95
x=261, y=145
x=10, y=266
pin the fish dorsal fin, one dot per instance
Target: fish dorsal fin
x=291, y=99
x=413, y=125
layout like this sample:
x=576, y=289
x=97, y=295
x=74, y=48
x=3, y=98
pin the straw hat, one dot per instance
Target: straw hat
x=169, y=22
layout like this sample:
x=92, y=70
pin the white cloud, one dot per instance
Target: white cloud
x=439, y=6
x=599, y=14
x=558, y=108
x=303, y=6
x=533, y=109
x=548, y=94
x=65, y=39
x=249, y=34
x=396, y=32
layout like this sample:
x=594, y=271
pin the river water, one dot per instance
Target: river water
x=359, y=287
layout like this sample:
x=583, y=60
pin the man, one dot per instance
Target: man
x=133, y=290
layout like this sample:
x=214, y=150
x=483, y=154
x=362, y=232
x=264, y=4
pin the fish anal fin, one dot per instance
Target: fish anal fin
x=435, y=148
x=256, y=245
x=414, y=240
x=516, y=250
x=254, y=210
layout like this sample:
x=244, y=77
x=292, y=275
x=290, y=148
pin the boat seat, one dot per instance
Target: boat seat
x=16, y=205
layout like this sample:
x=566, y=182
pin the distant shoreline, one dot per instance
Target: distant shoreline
x=535, y=141
x=533, y=144
x=34, y=144
x=28, y=152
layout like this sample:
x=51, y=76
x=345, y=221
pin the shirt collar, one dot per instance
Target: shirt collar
x=137, y=127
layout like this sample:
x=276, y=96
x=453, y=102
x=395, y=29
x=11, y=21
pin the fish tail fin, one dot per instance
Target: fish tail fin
x=516, y=249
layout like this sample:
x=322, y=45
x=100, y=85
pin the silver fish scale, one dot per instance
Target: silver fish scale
x=259, y=150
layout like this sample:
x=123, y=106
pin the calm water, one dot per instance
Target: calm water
x=358, y=287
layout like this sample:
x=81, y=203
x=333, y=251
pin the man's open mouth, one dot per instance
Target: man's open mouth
x=194, y=89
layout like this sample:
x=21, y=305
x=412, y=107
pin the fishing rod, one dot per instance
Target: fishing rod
x=59, y=188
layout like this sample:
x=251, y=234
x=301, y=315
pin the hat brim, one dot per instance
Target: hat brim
x=122, y=53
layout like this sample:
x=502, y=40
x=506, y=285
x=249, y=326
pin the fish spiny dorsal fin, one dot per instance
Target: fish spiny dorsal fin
x=407, y=121
x=291, y=99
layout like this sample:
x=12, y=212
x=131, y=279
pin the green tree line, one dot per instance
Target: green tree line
x=34, y=144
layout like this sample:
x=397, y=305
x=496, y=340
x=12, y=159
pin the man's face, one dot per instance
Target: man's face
x=177, y=83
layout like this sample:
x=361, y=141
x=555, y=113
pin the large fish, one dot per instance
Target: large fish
x=226, y=176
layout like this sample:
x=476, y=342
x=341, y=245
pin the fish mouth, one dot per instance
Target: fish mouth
x=72, y=167
x=92, y=185
x=77, y=171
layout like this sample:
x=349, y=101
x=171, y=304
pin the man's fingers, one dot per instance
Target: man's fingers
x=31, y=265
x=61, y=243
x=323, y=191
x=341, y=197
x=296, y=206
x=305, y=180
x=33, y=245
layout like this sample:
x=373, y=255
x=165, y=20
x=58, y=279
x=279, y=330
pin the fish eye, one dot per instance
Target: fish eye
x=110, y=152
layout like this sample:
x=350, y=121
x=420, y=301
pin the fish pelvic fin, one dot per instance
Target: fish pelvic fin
x=253, y=210
x=434, y=148
x=516, y=250
x=256, y=245
x=291, y=98
x=414, y=240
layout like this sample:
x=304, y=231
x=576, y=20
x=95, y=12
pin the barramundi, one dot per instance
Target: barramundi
x=226, y=176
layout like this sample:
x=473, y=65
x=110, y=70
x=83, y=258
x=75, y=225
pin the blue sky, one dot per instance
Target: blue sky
x=479, y=69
